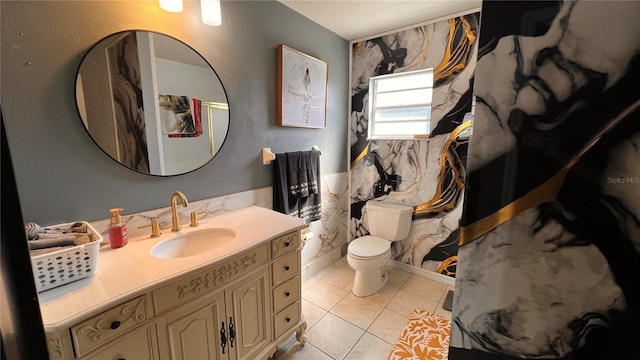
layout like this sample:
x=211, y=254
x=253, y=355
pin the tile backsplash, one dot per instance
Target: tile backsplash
x=209, y=207
x=320, y=251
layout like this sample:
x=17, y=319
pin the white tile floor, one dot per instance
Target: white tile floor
x=341, y=325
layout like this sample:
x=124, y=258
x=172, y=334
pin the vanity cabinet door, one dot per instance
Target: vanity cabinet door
x=238, y=313
x=194, y=331
x=248, y=306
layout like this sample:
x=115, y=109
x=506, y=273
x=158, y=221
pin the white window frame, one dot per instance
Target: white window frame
x=379, y=128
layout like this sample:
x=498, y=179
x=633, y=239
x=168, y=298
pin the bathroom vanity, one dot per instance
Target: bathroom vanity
x=238, y=300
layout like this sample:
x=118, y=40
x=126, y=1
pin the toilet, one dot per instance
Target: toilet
x=367, y=255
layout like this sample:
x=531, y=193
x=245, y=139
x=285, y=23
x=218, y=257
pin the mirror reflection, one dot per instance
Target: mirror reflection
x=152, y=103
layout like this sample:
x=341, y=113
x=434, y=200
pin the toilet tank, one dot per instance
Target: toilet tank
x=388, y=221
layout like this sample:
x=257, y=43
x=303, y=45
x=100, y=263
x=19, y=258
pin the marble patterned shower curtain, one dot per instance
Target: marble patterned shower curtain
x=549, y=261
x=428, y=175
x=126, y=96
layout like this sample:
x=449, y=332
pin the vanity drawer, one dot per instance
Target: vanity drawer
x=286, y=293
x=285, y=244
x=286, y=267
x=189, y=288
x=286, y=319
x=103, y=327
x=137, y=345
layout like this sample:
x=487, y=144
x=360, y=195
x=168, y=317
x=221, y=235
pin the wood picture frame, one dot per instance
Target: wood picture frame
x=302, y=89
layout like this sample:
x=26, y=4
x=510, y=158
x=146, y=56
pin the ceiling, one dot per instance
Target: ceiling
x=359, y=19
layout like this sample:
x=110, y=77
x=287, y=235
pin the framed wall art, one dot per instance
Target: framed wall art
x=302, y=89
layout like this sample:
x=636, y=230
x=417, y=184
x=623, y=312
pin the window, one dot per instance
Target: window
x=400, y=104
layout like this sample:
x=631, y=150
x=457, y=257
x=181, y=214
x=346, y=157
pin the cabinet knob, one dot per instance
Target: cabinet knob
x=287, y=294
x=287, y=244
x=115, y=325
x=287, y=319
x=286, y=268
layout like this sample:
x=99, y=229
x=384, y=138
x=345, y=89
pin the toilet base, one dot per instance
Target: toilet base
x=369, y=282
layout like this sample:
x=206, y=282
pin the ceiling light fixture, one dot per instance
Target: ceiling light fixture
x=211, y=14
x=171, y=5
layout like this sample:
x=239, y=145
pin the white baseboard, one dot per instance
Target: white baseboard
x=444, y=279
x=319, y=264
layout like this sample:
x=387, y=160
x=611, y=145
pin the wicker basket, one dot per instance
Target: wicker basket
x=66, y=265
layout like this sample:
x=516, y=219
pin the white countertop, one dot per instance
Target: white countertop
x=131, y=270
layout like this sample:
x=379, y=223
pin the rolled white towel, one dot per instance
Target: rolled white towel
x=51, y=241
x=32, y=230
x=56, y=236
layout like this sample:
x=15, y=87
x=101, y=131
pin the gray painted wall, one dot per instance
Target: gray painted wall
x=63, y=176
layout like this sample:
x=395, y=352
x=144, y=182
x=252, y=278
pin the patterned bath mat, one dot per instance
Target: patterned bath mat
x=425, y=337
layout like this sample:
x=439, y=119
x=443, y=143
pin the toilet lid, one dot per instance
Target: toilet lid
x=369, y=246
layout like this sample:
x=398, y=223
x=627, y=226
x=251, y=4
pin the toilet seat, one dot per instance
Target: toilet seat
x=369, y=247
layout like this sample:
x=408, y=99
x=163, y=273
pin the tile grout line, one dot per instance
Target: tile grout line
x=317, y=348
x=354, y=345
x=399, y=286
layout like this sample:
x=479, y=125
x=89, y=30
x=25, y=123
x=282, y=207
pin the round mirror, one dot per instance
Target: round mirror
x=152, y=103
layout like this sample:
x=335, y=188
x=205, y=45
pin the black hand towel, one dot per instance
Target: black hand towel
x=310, y=207
x=312, y=160
x=297, y=168
x=282, y=202
x=296, y=185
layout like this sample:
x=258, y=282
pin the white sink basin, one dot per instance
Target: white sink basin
x=193, y=243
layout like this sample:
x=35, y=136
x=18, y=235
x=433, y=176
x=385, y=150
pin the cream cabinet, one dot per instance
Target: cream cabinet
x=231, y=324
x=192, y=332
x=247, y=305
x=286, y=288
x=239, y=308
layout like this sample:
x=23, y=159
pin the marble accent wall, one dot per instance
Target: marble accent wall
x=330, y=232
x=425, y=174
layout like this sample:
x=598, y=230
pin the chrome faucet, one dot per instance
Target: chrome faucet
x=175, y=222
